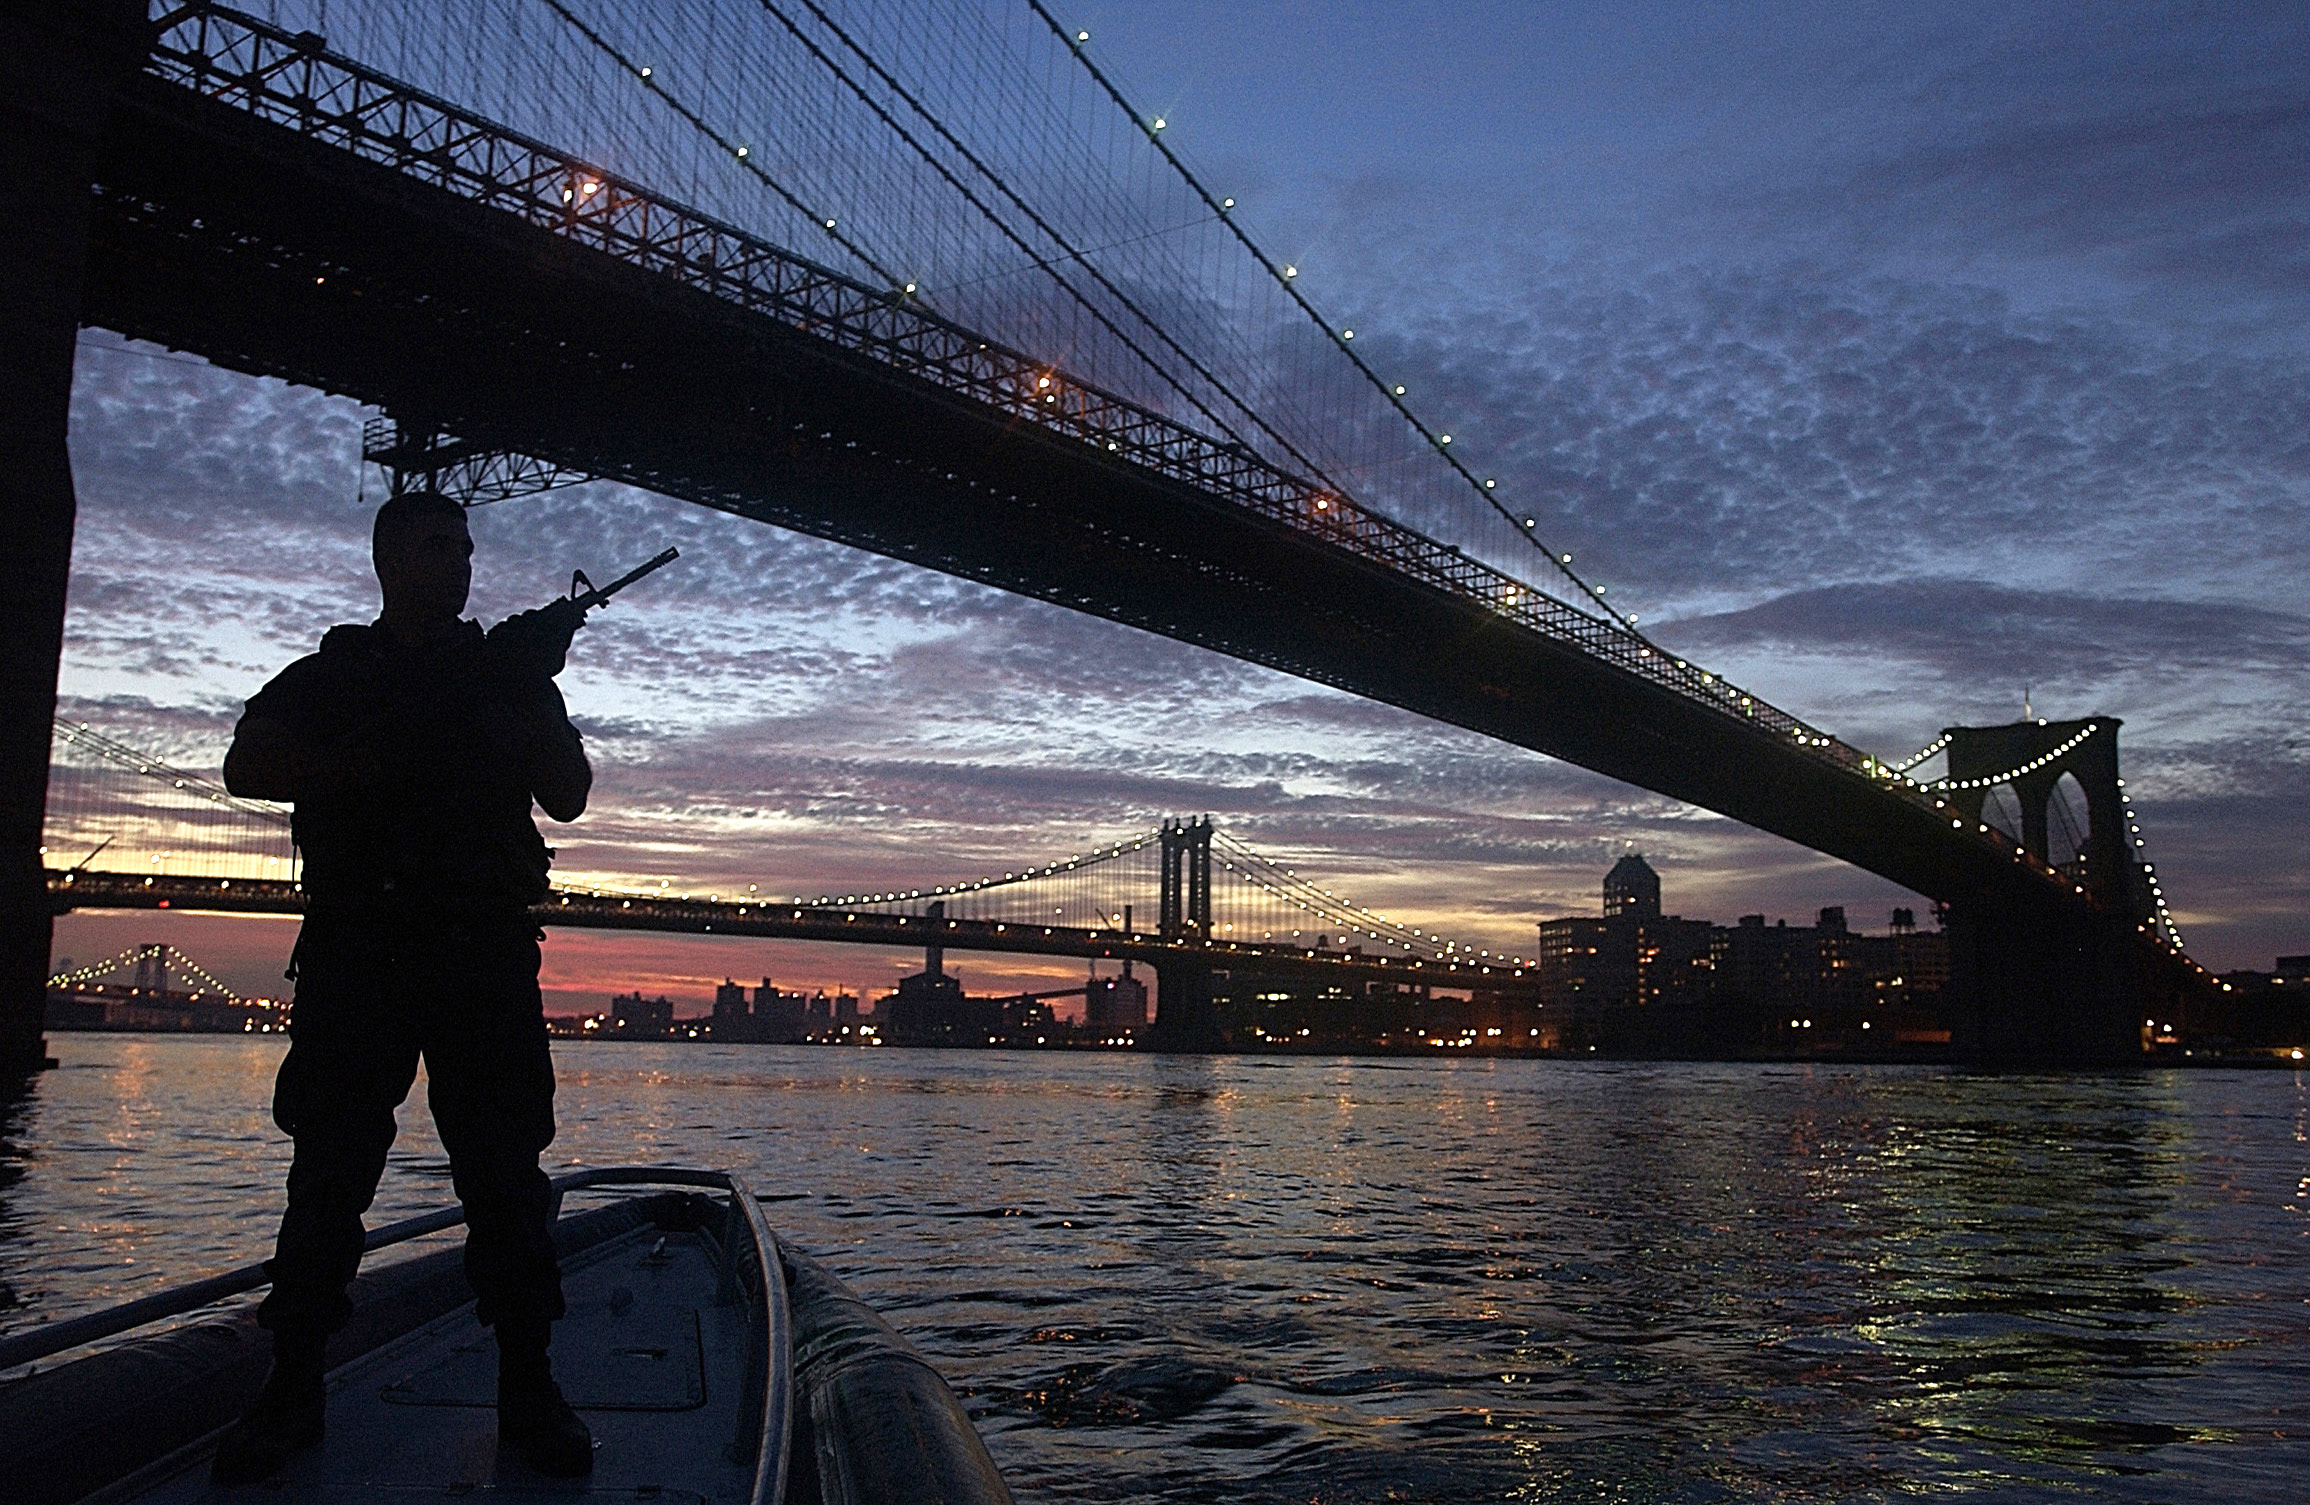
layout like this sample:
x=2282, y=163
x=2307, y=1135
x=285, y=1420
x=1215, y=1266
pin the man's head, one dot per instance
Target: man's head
x=424, y=558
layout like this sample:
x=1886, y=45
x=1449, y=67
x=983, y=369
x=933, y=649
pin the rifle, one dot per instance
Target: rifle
x=537, y=641
x=599, y=595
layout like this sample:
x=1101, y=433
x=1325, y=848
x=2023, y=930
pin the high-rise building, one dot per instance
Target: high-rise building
x=1632, y=888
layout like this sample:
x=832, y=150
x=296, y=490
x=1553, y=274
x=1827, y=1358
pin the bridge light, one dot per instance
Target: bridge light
x=1227, y=203
x=645, y=71
x=1443, y=438
x=1291, y=271
x=1347, y=334
x=1082, y=36
x=741, y=153
x=1531, y=523
x=1160, y=122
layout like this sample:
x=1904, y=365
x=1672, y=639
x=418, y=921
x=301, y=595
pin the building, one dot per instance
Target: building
x=1632, y=889
x=929, y=1008
x=1115, y=1008
x=770, y=1017
x=1581, y=960
x=2255, y=1014
x=1618, y=978
x=1637, y=981
x=633, y=1017
x=1828, y=990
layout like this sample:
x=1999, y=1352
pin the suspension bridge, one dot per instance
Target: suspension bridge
x=1185, y=897
x=923, y=280
x=155, y=987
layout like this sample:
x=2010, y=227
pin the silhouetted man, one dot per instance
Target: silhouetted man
x=412, y=749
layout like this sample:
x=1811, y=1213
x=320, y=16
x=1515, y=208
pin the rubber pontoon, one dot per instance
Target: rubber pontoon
x=701, y=1379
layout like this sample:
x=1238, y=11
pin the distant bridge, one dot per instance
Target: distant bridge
x=1184, y=897
x=1083, y=383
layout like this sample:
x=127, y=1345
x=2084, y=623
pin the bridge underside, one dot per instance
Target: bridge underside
x=269, y=253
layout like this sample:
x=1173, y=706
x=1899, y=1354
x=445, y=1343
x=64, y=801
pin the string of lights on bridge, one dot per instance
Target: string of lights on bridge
x=1138, y=841
x=1286, y=884
x=1239, y=857
x=1286, y=277
x=2166, y=923
x=2041, y=761
x=82, y=976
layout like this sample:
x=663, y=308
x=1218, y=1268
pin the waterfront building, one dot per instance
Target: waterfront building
x=2255, y=1013
x=1580, y=961
x=633, y=1017
x=769, y=1017
x=1115, y=1008
x=1638, y=981
x=929, y=1008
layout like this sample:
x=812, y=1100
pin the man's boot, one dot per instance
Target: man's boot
x=532, y=1417
x=288, y=1415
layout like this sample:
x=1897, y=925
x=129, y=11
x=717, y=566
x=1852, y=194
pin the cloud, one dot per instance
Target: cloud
x=1700, y=434
x=1958, y=626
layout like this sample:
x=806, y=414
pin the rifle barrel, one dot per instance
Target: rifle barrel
x=601, y=593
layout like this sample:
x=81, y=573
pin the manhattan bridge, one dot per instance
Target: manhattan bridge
x=919, y=278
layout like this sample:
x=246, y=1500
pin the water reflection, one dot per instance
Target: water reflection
x=1161, y=1279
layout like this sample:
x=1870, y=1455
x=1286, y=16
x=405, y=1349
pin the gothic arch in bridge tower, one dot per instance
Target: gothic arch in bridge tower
x=2030, y=759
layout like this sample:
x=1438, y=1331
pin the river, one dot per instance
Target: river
x=1173, y=1279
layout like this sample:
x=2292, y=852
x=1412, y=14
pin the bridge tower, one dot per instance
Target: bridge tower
x=152, y=969
x=1186, y=900
x=2037, y=754
x=62, y=62
x=1184, y=1017
x=2053, y=985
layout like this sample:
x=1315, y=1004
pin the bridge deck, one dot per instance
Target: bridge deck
x=582, y=910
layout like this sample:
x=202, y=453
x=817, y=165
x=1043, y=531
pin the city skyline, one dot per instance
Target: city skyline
x=1844, y=363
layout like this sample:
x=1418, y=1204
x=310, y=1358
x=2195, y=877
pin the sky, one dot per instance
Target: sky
x=1896, y=361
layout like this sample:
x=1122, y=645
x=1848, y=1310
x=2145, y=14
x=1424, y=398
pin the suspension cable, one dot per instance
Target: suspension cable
x=1040, y=223
x=737, y=151
x=1390, y=393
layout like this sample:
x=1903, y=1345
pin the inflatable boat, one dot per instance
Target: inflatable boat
x=711, y=1362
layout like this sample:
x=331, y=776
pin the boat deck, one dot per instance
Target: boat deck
x=646, y=1354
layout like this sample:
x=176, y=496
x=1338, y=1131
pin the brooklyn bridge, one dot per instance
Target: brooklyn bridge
x=760, y=261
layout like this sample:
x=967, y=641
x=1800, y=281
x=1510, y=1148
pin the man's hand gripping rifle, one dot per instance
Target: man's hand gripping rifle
x=537, y=642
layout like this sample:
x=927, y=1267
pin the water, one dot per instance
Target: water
x=1318, y=1281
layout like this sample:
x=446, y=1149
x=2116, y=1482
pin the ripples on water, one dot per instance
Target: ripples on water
x=1265, y=1280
